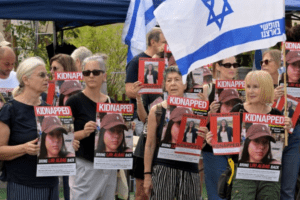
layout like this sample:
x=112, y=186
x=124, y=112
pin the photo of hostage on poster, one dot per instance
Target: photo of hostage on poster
x=260, y=155
x=5, y=95
x=179, y=106
x=226, y=137
x=151, y=75
x=293, y=108
x=190, y=138
x=197, y=78
x=113, y=148
x=229, y=93
x=55, y=130
x=292, y=69
x=63, y=86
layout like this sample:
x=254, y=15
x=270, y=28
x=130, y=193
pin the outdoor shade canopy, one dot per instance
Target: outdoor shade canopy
x=76, y=13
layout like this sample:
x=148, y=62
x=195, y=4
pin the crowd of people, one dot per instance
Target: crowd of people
x=156, y=178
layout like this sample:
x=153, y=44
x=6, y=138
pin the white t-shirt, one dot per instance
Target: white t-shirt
x=224, y=136
x=189, y=137
x=10, y=82
x=150, y=79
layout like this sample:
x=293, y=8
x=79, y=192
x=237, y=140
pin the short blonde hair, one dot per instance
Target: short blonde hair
x=26, y=68
x=265, y=82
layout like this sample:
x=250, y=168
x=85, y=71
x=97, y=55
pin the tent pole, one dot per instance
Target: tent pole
x=54, y=37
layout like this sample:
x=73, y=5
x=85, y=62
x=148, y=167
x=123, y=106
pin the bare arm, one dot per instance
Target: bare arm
x=89, y=127
x=8, y=152
x=149, y=149
x=141, y=109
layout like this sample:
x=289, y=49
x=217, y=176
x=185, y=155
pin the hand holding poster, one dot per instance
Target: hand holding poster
x=261, y=152
x=226, y=137
x=229, y=93
x=56, y=133
x=114, y=135
x=151, y=75
x=190, y=138
x=179, y=107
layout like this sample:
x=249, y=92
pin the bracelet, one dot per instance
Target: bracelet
x=147, y=172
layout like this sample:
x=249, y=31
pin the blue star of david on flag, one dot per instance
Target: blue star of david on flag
x=218, y=19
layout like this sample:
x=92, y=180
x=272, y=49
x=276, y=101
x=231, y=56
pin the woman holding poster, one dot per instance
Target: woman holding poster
x=151, y=75
x=225, y=132
x=169, y=179
x=18, y=133
x=214, y=166
x=90, y=183
x=259, y=95
x=190, y=134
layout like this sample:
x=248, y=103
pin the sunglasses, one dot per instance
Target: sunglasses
x=43, y=75
x=228, y=65
x=95, y=72
x=265, y=61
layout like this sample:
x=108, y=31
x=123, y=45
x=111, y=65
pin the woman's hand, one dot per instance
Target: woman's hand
x=202, y=131
x=31, y=147
x=214, y=107
x=278, y=92
x=148, y=184
x=209, y=137
x=76, y=144
x=288, y=123
x=136, y=86
x=89, y=127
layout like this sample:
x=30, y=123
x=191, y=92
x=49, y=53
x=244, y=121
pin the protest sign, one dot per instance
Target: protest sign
x=226, y=137
x=261, y=152
x=178, y=107
x=151, y=75
x=55, y=130
x=114, y=136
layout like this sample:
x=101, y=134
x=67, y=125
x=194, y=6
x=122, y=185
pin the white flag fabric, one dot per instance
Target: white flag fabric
x=200, y=32
x=139, y=21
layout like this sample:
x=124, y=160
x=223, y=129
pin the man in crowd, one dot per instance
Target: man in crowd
x=8, y=77
x=156, y=41
x=79, y=55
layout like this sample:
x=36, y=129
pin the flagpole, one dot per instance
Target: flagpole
x=285, y=94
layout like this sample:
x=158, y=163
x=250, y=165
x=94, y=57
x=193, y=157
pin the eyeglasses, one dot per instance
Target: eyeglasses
x=265, y=61
x=95, y=72
x=228, y=65
x=43, y=74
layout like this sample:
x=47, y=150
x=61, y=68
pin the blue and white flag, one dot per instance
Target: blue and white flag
x=139, y=21
x=257, y=58
x=200, y=32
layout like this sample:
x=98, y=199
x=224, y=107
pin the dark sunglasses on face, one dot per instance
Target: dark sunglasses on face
x=228, y=65
x=95, y=72
x=265, y=61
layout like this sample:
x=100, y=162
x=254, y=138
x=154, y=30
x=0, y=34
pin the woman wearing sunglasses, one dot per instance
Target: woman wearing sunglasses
x=18, y=133
x=62, y=63
x=214, y=166
x=90, y=183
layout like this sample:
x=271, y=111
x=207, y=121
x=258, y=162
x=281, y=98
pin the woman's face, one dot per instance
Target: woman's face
x=223, y=123
x=53, y=143
x=253, y=91
x=150, y=67
x=191, y=124
x=56, y=67
x=113, y=138
x=289, y=104
x=174, y=132
x=293, y=72
x=38, y=80
x=272, y=66
x=227, y=73
x=258, y=149
x=93, y=81
x=174, y=85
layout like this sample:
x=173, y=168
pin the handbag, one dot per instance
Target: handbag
x=225, y=181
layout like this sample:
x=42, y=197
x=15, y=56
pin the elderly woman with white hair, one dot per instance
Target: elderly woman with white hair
x=18, y=133
x=90, y=183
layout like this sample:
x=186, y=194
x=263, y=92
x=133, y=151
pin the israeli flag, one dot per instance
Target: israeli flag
x=200, y=32
x=139, y=21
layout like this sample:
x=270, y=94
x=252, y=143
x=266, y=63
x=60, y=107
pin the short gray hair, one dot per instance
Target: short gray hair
x=26, y=68
x=98, y=59
x=81, y=53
